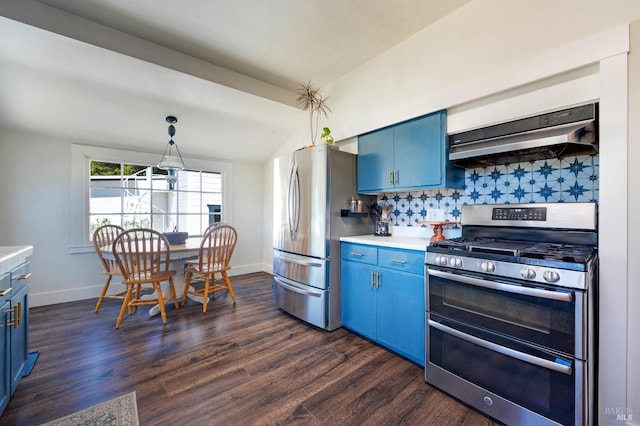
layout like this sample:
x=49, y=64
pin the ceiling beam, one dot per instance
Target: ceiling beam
x=51, y=19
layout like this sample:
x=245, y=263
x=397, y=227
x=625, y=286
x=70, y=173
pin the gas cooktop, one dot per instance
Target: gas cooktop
x=535, y=250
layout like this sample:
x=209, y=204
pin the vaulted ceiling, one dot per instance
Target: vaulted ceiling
x=108, y=72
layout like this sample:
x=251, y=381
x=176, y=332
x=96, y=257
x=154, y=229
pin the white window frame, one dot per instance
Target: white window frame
x=81, y=157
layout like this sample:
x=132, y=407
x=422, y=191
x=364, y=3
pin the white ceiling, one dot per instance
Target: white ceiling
x=108, y=72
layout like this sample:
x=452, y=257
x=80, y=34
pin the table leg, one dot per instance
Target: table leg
x=178, y=283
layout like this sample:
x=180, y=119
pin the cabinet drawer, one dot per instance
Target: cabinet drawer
x=20, y=275
x=359, y=253
x=5, y=282
x=403, y=260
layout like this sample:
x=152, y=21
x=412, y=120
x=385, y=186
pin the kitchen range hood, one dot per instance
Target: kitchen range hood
x=571, y=131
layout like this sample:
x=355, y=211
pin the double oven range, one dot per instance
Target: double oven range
x=511, y=311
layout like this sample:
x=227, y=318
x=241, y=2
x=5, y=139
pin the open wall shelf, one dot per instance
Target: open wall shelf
x=349, y=213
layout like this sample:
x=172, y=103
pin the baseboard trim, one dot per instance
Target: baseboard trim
x=93, y=291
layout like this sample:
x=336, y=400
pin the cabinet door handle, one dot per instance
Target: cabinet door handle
x=17, y=315
x=5, y=292
x=396, y=179
x=24, y=276
x=391, y=177
x=398, y=261
x=355, y=253
x=373, y=274
x=378, y=275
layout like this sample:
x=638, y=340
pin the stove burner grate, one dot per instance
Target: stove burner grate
x=569, y=253
x=559, y=252
x=461, y=243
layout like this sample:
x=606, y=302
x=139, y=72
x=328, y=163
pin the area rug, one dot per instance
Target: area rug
x=120, y=411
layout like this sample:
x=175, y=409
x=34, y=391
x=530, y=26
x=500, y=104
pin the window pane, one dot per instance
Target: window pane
x=136, y=221
x=135, y=176
x=165, y=222
x=159, y=180
x=163, y=202
x=99, y=168
x=137, y=201
x=134, y=170
x=185, y=224
x=211, y=182
x=211, y=203
x=191, y=179
x=190, y=202
x=96, y=221
x=105, y=200
x=214, y=213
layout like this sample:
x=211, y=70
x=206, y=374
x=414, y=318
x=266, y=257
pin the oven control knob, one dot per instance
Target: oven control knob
x=441, y=260
x=487, y=266
x=456, y=262
x=551, y=276
x=527, y=274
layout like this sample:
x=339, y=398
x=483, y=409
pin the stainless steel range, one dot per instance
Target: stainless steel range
x=511, y=312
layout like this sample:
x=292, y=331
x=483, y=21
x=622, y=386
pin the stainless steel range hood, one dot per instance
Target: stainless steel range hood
x=571, y=131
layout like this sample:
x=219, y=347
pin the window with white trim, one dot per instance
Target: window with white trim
x=124, y=187
x=138, y=196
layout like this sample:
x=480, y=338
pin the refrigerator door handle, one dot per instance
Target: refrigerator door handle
x=296, y=205
x=293, y=207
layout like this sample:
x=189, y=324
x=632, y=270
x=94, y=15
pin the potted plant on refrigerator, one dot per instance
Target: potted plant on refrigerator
x=309, y=99
x=326, y=136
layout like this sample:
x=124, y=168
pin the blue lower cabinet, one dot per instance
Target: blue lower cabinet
x=401, y=313
x=383, y=297
x=14, y=330
x=19, y=339
x=5, y=356
x=358, y=299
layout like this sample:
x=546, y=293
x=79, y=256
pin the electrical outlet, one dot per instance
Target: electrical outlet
x=435, y=215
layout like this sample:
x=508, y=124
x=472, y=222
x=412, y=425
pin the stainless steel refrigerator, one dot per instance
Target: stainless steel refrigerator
x=311, y=187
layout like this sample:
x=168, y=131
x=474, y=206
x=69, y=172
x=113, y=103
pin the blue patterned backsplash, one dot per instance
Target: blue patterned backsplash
x=566, y=180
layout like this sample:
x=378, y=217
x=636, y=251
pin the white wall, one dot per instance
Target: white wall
x=247, y=198
x=37, y=205
x=267, y=238
x=633, y=296
x=462, y=58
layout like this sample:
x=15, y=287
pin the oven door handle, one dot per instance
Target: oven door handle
x=493, y=285
x=540, y=362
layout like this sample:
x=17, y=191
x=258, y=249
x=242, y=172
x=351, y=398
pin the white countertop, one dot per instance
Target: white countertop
x=12, y=256
x=403, y=237
x=394, y=241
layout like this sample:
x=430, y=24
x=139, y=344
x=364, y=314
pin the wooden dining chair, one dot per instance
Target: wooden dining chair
x=216, y=249
x=143, y=258
x=103, y=237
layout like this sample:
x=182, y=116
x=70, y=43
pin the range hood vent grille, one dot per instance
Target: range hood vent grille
x=571, y=131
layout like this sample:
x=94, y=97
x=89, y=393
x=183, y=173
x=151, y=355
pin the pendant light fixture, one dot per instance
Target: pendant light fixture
x=171, y=161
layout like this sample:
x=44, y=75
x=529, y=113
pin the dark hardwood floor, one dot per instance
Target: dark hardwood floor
x=244, y=364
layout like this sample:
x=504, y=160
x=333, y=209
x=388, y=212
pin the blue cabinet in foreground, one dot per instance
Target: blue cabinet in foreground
x=14, y=330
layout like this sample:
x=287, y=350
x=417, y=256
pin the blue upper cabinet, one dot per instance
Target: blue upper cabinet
x=375, y=160
x=408, y=156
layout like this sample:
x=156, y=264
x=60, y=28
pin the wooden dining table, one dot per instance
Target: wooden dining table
x=178, y=254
